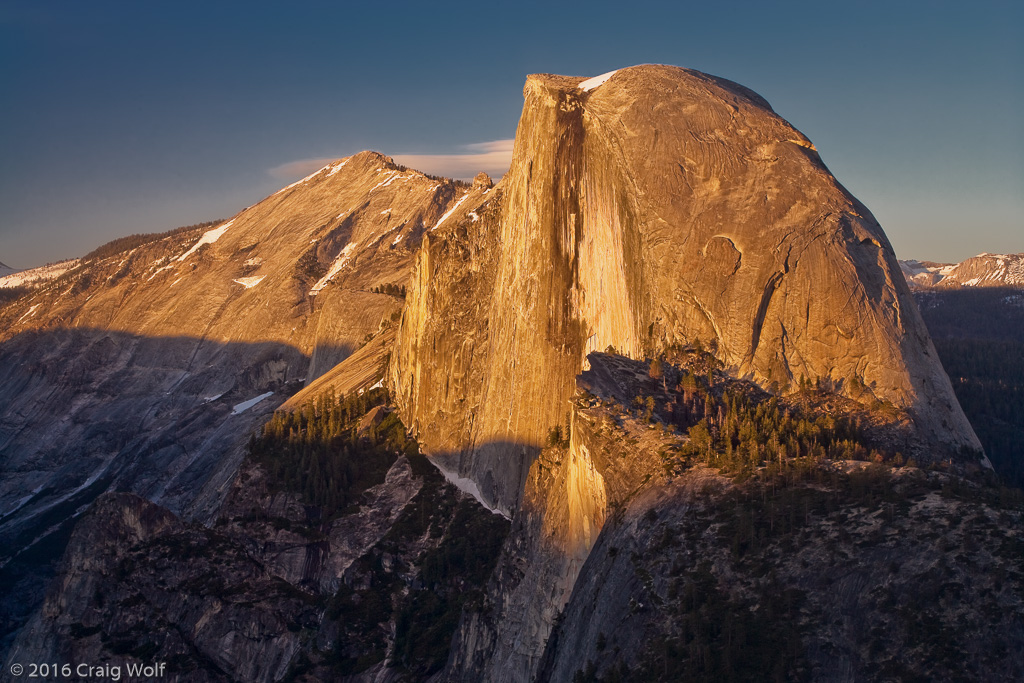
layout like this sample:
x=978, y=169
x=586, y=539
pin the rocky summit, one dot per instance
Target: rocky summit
x=658, y=207
x=657, y=405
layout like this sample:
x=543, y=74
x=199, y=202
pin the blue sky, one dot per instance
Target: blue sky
x=123, y=117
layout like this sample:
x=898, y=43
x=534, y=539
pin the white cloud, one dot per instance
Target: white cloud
x=293, y=170
x=493, y=158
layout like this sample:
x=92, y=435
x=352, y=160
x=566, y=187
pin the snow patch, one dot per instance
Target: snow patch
x=245, y=405
x=158, y=271
x=21, y=503
x=88, y=482
x=336, y=267
x=250, y=282
x=449, y=212
x=392, y=175
x=302, y=180
x=336, y=167
x=28, y=313
x=209, y=237
x=596, y=81
x=37, y=275
x=913, y=267
x=466, y=486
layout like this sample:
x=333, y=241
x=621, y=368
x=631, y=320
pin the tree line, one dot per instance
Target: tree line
x=318, y=452
x=129, y=242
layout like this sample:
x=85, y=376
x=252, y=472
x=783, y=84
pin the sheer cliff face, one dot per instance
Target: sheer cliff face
x=663, y=206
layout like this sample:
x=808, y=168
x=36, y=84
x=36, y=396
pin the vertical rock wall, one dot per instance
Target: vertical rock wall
x=662, y=206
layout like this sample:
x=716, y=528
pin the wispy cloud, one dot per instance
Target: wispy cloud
x=294, y=170
x=493, y=158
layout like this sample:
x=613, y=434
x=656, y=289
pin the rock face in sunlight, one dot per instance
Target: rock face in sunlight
x=124, y=372
x=660, y=206
x=658, y=405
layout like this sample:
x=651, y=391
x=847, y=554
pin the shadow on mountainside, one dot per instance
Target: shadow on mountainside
x=84, y=411
x=979, y=335
x=380, y=563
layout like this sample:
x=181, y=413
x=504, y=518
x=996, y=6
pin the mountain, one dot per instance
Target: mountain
x=146, y=371
x=10, y=278
x=656, y=406
x=617, y=189
x=659, y=208
x=983, y=270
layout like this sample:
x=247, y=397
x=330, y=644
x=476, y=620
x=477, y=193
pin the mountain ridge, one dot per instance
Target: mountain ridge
x=668, y=309
x=983, y=270
x=123, y=373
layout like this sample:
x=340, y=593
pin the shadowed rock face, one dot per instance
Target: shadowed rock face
x=121, y=350
x=123, y=373
x=662, y=206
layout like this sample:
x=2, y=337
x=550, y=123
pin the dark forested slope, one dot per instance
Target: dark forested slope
x=979, y=334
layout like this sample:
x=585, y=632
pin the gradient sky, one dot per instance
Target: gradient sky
x=124, y=117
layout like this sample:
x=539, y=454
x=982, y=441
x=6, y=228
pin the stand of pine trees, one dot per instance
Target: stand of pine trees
x=129, y=242
x=390, y=289
x=739, y=428
x=316, y=451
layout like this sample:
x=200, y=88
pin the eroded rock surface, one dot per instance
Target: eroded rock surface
x=137, y=371
x=647, y=210
x=659, y=207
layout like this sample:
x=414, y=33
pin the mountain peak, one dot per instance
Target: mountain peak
x=666, y=208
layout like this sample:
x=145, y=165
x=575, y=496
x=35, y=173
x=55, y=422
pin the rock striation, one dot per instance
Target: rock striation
x=137, y=371
x=655, y=206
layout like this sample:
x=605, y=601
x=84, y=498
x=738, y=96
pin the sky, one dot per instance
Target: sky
x=129, y=117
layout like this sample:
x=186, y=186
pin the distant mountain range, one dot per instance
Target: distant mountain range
x=983, y=270
x=33, y=277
